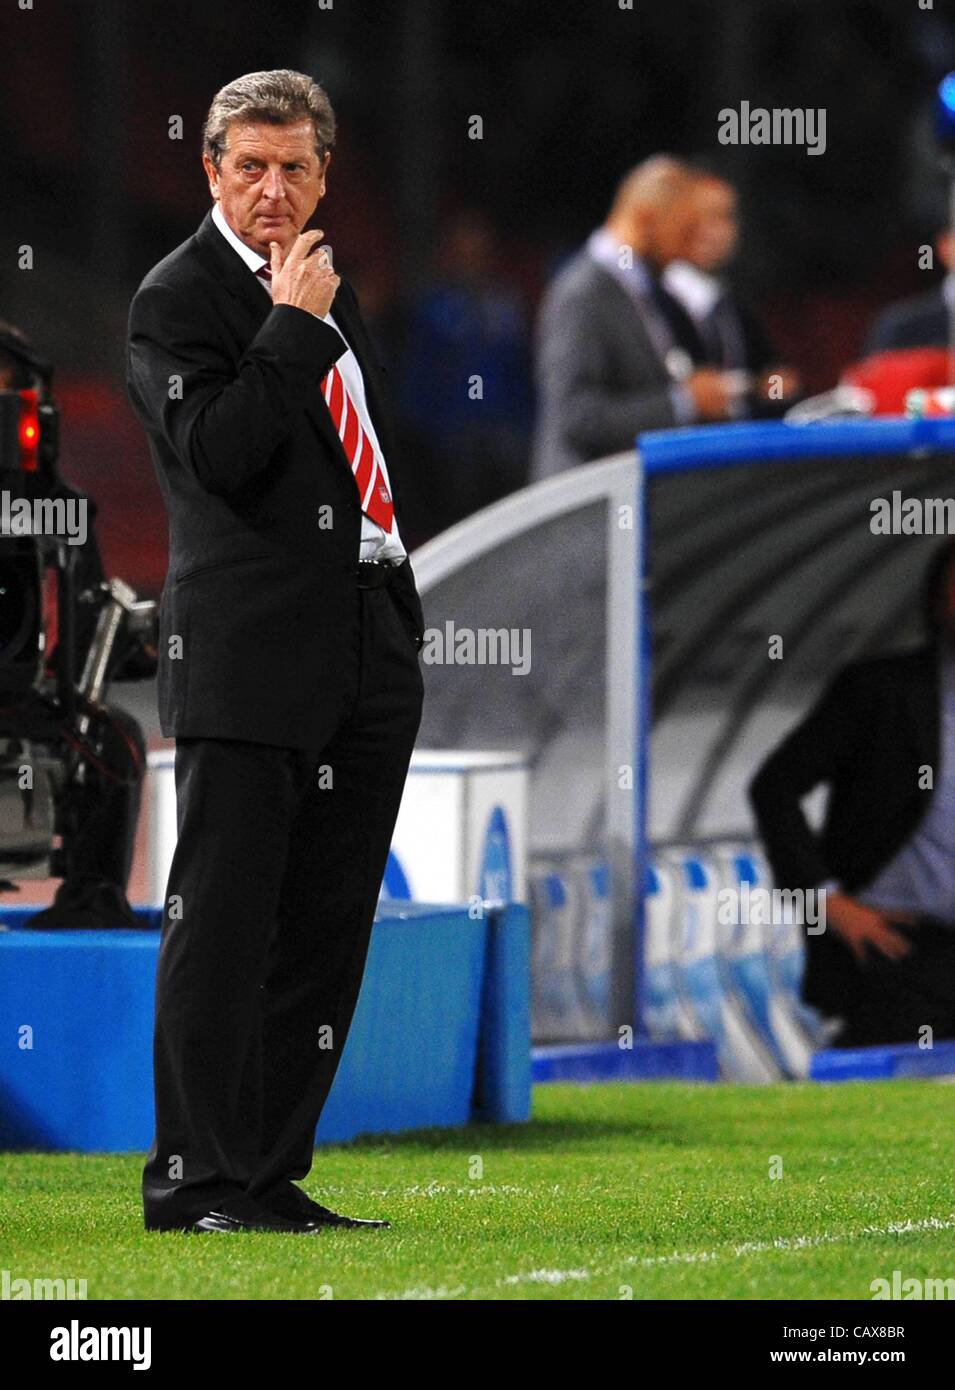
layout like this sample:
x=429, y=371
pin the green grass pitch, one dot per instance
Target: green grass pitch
x=612, y=1191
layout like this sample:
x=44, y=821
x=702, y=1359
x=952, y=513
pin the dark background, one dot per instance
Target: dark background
x=571, y=95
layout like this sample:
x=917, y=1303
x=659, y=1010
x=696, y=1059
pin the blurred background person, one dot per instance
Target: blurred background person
x=885, y=964
x=909, y=344
x=734, y=337
x=616, y=353
x=921, y=320
x=465, y=388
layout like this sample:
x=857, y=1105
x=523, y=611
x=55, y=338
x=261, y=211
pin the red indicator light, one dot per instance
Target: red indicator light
x=29, y=431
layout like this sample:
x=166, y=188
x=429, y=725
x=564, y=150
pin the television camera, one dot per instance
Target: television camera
x=66, y=632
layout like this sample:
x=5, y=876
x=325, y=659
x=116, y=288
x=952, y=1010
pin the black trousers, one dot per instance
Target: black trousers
x=886, y=1001
x=271, y=896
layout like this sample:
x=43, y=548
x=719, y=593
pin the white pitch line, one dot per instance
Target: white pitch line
x=436, y=1189
x=422, y=1292
x=760, y=1247
x=750, y=1247
x=546, y=1276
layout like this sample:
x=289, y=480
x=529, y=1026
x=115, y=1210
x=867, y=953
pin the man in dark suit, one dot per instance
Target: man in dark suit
x=735, y=338
x=883, y=738
x=615, y=352
x=289, y=674
x=922, y=320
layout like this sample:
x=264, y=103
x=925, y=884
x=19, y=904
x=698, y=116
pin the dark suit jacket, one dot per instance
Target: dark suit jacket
x=743, y=343
x=600, y=379
x=264, y=514
x=921, y=321
x=756, y=350
x=868, y=737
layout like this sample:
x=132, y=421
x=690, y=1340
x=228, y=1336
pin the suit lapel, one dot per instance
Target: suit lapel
x=235, y=276
x=353, y=331
x=345, y=313
x=360, y=343
x=641, y=342
x=232, y=273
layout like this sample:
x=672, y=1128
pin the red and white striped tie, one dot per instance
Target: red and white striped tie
x=369, y=477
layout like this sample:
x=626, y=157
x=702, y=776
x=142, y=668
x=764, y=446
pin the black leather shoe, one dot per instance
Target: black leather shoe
x=247, y=1214
x=290, y=1203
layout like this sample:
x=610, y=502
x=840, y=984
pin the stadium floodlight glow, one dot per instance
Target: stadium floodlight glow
x=945, y=113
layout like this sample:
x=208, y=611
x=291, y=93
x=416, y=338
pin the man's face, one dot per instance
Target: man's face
x=269, y=182
x=715, y=232
x=670, y=227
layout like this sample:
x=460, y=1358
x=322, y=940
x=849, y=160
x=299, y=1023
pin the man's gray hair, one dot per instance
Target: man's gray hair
x=280, y=97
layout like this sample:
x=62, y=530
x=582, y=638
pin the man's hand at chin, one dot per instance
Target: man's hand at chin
x=303, y=280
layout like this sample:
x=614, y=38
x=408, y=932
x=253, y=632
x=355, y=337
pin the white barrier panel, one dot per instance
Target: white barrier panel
x=463, y=817
x=746, y=939
x=557, y=1008
x=666, y=1014
x=461, y=828
x=571, y=900
x=720, y=962
x=704, y=981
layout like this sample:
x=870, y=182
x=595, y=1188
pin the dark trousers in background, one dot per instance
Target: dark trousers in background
x=103, y=847
x=889, y=1001
x=102, y=840
x=276, y=879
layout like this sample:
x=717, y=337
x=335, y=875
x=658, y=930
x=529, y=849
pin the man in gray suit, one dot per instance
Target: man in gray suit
x=615, y=353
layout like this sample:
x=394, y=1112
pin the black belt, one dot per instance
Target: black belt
x=372, y=573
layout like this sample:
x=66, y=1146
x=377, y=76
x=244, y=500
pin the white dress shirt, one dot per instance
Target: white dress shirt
x=376, y=543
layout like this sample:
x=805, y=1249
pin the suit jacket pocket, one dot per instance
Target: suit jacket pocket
x=406, y=599
x=406, y=619
x=416, y=637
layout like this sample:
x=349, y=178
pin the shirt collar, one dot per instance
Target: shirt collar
x=252, y=258
x=698, y=292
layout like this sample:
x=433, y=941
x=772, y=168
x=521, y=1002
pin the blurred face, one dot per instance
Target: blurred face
x=470, y=248
x=269, y=182
x=669, y=229
x=715, y=232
